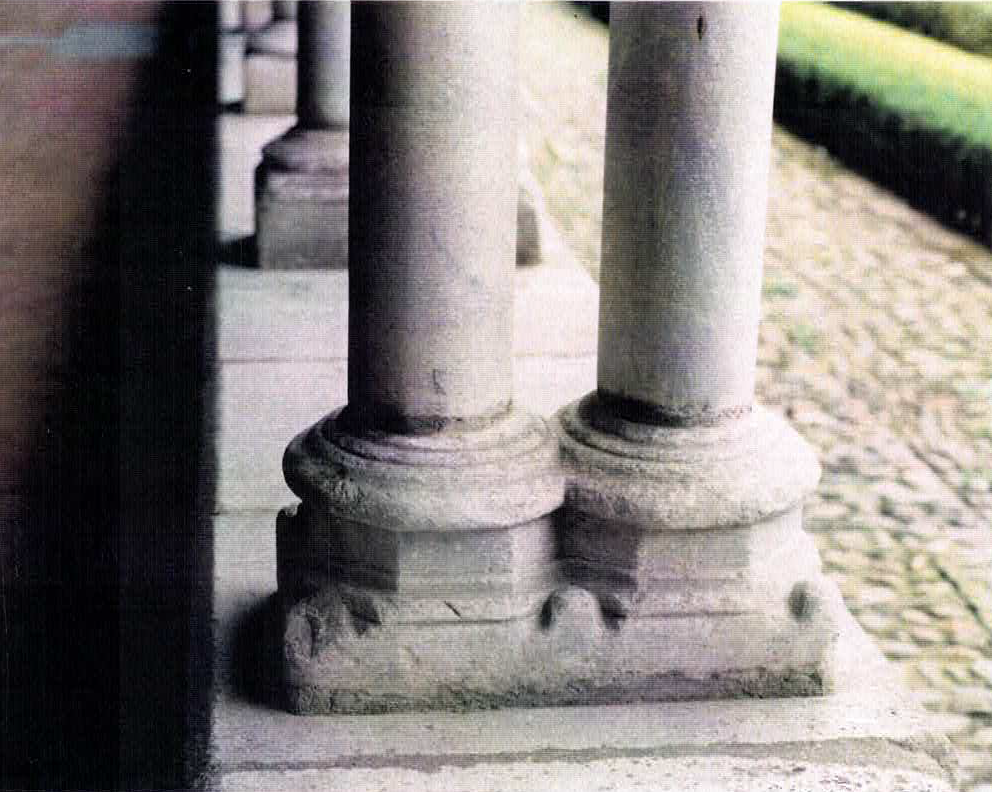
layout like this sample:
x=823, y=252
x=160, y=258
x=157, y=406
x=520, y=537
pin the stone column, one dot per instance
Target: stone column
x=684, y=506
x=230, y=54
x=301, y=185
x=423, y=551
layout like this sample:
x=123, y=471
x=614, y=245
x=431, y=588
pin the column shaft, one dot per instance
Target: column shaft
x=687, y=152
x=432, y=218
x=284, y=10
x=323, y=64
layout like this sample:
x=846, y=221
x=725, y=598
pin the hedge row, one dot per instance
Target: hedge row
x=965, y=25
x=910, y=112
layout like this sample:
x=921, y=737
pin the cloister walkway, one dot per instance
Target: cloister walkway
x=876, y=342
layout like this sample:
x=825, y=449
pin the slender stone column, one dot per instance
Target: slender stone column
x=301, y=186
x=230, y=54
x=685, y=197
x=427, y=501
x=684, y=506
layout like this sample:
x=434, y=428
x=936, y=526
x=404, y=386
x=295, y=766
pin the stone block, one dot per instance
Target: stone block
x=301, y=202
x=270, y=84
x=301, y=221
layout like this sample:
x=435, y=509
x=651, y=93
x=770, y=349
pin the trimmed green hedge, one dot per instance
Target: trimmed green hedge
x=912, y=112
x=965, y=25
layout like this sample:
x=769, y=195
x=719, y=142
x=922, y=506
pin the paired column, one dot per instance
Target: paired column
x=424, y=544
x=449, y=551
x=684, y=510
x=301, y=185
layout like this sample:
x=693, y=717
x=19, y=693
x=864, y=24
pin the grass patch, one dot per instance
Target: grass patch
x=806, y=338
x=778, y=288
x=965, y=25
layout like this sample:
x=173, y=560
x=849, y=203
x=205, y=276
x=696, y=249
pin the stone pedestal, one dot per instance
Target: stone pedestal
x=301, y=186
x=684, y=508
x=270, y=63
x=301, y=201
x=416, y=572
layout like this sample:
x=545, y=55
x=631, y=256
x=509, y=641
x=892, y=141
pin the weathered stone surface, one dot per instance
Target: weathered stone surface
x=712, y=773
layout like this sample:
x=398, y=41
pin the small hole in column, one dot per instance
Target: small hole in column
x=700, y=27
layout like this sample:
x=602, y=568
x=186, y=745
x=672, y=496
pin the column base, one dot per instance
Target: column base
x=413, y=562
x=301, y=201
x=692, y=538
x=428, y=573
x=278, y=38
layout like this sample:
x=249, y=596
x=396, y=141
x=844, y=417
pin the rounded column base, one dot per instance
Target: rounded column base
x=409, y=559
x=438, y=571
x=693, y=537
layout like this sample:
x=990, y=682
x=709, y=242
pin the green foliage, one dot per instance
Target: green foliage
x=907, y=110
x=965, y=25
x=930, y=85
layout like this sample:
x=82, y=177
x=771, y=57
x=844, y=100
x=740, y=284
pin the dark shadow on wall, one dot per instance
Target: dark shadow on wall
x=106, y=662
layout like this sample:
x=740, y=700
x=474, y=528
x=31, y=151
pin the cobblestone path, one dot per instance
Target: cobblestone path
x=876, y=343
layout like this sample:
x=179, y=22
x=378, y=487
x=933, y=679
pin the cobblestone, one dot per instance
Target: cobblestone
x=875, y=344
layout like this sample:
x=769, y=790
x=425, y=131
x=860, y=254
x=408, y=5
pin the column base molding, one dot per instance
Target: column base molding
x=438, y=572
x=301, y=201
x=278, y=39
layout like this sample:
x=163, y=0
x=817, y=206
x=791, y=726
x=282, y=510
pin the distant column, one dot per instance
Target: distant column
x=301, y=186
x=230, y=54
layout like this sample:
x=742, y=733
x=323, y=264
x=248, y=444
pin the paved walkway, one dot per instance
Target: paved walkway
x=876, y=343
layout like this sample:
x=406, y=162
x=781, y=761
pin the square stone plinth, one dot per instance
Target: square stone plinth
x=270, y=84
x=867, y=732
x=301, y=220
